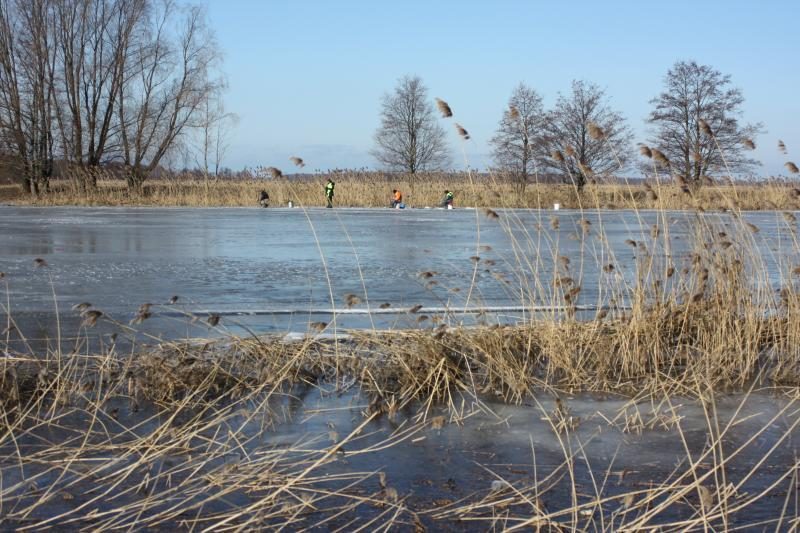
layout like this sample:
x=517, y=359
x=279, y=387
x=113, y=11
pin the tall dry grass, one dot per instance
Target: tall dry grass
x=366, y=189
x=171, y=436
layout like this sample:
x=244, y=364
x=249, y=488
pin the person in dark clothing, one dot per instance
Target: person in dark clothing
x=263, y=199
x=447, y=200
x=329, y=192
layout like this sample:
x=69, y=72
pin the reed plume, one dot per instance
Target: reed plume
x=444, y=108
x=782, y=147
x=586, y=170
x=90, y=318
x=274, y=173
x=791, y=167
x=645, y=151
x=140, y=317
x=351, y=300
x=704, y=127
x=595, y=131
x=462, y=132
x=752, y=227
x=659, y=157
x=749, y=144
x=298, y=161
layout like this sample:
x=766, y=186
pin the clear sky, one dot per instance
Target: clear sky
x=306, y=77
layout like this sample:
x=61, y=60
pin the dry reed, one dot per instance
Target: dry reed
x=372, y=189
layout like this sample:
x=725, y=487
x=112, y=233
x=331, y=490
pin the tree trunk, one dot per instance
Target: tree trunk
x=91, y=178
x=135, y=180
x=34, y=187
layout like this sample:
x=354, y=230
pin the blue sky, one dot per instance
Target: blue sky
x=306, y=77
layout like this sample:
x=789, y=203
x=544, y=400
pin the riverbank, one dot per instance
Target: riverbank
x=426, y=191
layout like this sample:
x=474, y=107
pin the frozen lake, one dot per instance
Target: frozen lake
x=280, y=269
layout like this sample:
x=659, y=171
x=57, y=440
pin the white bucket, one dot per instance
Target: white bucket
x=449, y=206
x=556, y=207
x=291, y=204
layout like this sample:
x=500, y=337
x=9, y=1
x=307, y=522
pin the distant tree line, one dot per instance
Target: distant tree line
x=695, y=131
x=87, y=83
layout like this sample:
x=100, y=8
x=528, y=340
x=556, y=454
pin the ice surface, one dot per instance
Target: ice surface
x=238, y=261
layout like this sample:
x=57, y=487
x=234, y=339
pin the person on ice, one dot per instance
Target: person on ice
x=447, y=200
x=329, y=192
x=263, y=199
x=397, y=199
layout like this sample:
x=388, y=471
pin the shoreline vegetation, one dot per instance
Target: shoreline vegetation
x=366, y=189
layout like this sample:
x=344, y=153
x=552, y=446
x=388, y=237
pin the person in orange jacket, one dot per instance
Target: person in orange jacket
x=397, y=198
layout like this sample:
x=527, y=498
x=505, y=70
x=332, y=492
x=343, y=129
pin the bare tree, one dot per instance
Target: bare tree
x=212, y=137
x=27, y=72
x=585, y=136
x=95, y=42
x=518, y=145
x=221, y=139
x=695, y=94
x=409, y=137
x=171, y=76
x=88, y=82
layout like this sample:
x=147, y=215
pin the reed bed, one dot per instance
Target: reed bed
x=172, y=434
x=10, y=193
x=365, y=189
